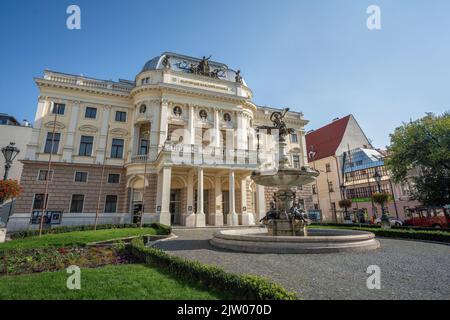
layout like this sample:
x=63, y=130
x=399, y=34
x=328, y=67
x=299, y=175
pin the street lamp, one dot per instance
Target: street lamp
x=384, y=218
x=344, y=197
x=10, y=153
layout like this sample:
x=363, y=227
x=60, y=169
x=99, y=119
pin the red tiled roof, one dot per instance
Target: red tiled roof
x=326, y=140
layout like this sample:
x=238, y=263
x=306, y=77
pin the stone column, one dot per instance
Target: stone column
x=102, y=143
x=69, y=147
x=191, y=126
x=190, y=215
x=247, y=218
x=33, y=145
x=163, y=122
x=134, y=142
x=260, y=203
x=200, y=214
x=216, y=130
x=217, y=215
x=163, y=195
x=304, y=151
x=232, y=215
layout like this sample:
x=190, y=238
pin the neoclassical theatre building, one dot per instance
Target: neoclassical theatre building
x=177, y=145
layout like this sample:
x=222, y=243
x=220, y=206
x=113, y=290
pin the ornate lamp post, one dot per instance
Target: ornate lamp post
x=344, y=197
x=10, y=153
x=384, y=218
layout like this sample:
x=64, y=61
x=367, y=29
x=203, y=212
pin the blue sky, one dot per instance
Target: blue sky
x=317, y=57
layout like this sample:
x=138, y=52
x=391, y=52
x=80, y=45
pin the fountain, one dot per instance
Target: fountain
x=286, y=222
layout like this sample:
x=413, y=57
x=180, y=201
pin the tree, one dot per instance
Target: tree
x=423, y=146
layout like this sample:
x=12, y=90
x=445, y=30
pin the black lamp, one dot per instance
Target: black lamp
x=10, y=152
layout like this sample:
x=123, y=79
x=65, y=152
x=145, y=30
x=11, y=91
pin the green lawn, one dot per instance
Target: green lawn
x=127, y=282
x=77, y=238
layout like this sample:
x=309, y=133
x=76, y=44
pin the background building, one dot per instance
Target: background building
x=347, y=163
x=13, y=131
x=116, y=146
x=324, y=146
x=364, y=174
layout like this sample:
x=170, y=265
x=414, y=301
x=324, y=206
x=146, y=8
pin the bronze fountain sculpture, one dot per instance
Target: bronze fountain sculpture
x=284, y=217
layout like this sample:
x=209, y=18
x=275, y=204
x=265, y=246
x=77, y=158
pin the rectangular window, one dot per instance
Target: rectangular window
x=111, y=204
x=58, y=108
x=43, y=175
x=86, y=143
x=121, y=116
x=144, y=147
x=76, y=205
x=52, y=143
x=296, y=161
x=328, y=167
x=81, y=176
x=294, y=138
x=314, y=189
x=330, y=186
x=117, y=149
x=38, y=201
x=91, y=113
x=113, y=178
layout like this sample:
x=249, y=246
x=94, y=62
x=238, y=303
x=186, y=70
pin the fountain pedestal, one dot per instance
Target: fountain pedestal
x=289, y=227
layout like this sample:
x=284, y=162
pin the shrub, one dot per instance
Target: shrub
x=160, y=229
x=438, y=236
x=239, y=286
x=399, y=232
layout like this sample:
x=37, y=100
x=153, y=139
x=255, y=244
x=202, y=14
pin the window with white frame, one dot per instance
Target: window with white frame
x=113, y=178
x=111, y=204
x=52, y=143
x=43, y=175
x=86, y=144
x=81, y=176
x=58, y=108
x=77, y=203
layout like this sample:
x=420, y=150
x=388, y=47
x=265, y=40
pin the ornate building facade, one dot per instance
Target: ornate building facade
x=177, y=146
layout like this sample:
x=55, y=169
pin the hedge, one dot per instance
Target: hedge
x=161, y=229
x=414, y=234
x=438, y=236
x=246, y=287
x=376, y=226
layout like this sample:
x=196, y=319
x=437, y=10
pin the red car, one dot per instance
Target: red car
x=436, y=218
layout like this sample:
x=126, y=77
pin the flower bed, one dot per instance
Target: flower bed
x=23, y=261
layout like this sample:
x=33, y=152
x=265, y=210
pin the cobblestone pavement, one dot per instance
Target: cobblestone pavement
x=409, y=269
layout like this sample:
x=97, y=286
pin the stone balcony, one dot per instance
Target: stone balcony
x=185, y=154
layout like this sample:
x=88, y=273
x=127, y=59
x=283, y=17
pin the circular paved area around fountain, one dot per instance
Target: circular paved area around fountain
x=409, y=269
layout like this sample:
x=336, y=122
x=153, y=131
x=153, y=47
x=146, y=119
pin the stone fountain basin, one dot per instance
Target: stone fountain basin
x=317, y=241
x=285, y=178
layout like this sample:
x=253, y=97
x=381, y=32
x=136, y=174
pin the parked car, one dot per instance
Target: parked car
x=437, y=218
x=394, y=222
